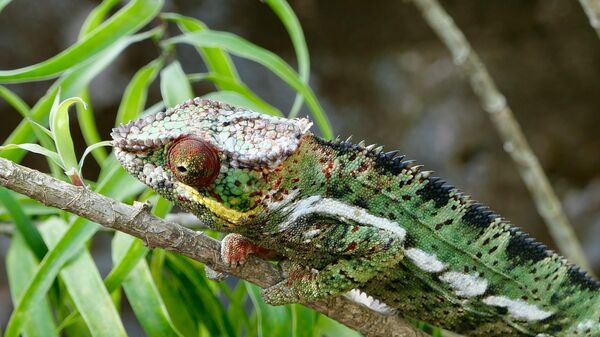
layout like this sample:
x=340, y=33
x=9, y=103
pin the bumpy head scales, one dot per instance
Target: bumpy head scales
x=206, y=154
x=248, y=138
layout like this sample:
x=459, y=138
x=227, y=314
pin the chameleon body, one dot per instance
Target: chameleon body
x=350, y=217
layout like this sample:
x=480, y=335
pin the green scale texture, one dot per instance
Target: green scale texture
x=485, y=277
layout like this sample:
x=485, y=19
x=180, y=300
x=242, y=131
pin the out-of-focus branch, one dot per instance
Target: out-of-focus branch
x=592, y=10
x=515, y=144
x=136, y=220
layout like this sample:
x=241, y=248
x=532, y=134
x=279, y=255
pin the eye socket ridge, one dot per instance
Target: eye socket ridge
x=194, y=162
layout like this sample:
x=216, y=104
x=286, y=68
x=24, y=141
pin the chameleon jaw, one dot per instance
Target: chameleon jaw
x=232, y=217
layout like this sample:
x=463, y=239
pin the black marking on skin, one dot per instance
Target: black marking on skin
x=581, y=278
x=339, y=191
x=409, y=241
x=479, y=216
x=437, y=190
x=521, y=247
x=361, y=202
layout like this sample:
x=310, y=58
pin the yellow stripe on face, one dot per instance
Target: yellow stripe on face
x=230, y=215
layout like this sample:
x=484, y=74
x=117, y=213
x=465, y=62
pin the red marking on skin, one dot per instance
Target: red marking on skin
x=216, y=196
x=355, y=228
x=351, y=246
x=327, y=170
x=363, y=167
x=255, y=193
x=278, y=182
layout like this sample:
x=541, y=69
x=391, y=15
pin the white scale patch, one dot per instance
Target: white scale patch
x=317, y=204
x=465, y=285
x=519, y=309
x=369, y=302
x=587, y=325
x=425, y=261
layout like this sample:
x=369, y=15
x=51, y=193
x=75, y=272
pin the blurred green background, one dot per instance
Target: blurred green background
x=381, y=75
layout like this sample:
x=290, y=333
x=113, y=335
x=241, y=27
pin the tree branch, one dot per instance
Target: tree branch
x=136, y=220
x=515, y=144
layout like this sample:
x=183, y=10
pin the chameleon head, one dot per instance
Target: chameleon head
x=215, y=160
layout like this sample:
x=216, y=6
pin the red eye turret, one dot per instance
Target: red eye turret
x=194, y=162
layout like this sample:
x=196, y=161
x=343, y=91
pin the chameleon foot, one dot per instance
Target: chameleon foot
x=235, y=249
x=300, y=286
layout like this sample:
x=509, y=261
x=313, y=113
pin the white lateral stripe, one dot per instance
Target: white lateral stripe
x=316, y=204
x=425, y=261
x=465, y=285
x=518, y=308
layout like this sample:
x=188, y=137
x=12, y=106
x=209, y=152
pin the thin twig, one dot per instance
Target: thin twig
x=515, y=144
x=592, y=10
x=136, y=220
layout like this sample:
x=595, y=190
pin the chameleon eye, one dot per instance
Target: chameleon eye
x=194, y=162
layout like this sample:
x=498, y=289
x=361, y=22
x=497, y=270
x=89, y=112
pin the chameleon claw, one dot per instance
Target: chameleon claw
x=214, y=275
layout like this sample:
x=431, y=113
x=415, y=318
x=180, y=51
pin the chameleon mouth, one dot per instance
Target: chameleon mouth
x=232, y=217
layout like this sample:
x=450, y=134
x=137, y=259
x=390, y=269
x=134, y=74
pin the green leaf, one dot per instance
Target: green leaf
x=141, y=291
x=243, y=48
x=110, y=184
x=85, y=286
x=42, y=134
x=70, y=244
x=330, y=328
x=216, y=60
x=132, y=17
x=15, y=101
x=35, y=148
x=90, y=149
x=23, y=224
x=70, y=84
x=174, y=85
x=59, y=125
x=96, y=16
x=20, y=268
x=124, y=260
x=292, y=25
x=239, y=89
x=88, y=128
x=3, y=4
x=207, y=308
x=223, y=72
x=29, y=206
x=136, y=93
x=232, y=97
x=302, y=318
x=169, y=288
x=272, y=321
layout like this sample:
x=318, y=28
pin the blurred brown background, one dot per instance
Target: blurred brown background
x=383, y=76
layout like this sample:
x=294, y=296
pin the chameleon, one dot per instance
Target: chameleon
x=352, y=219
